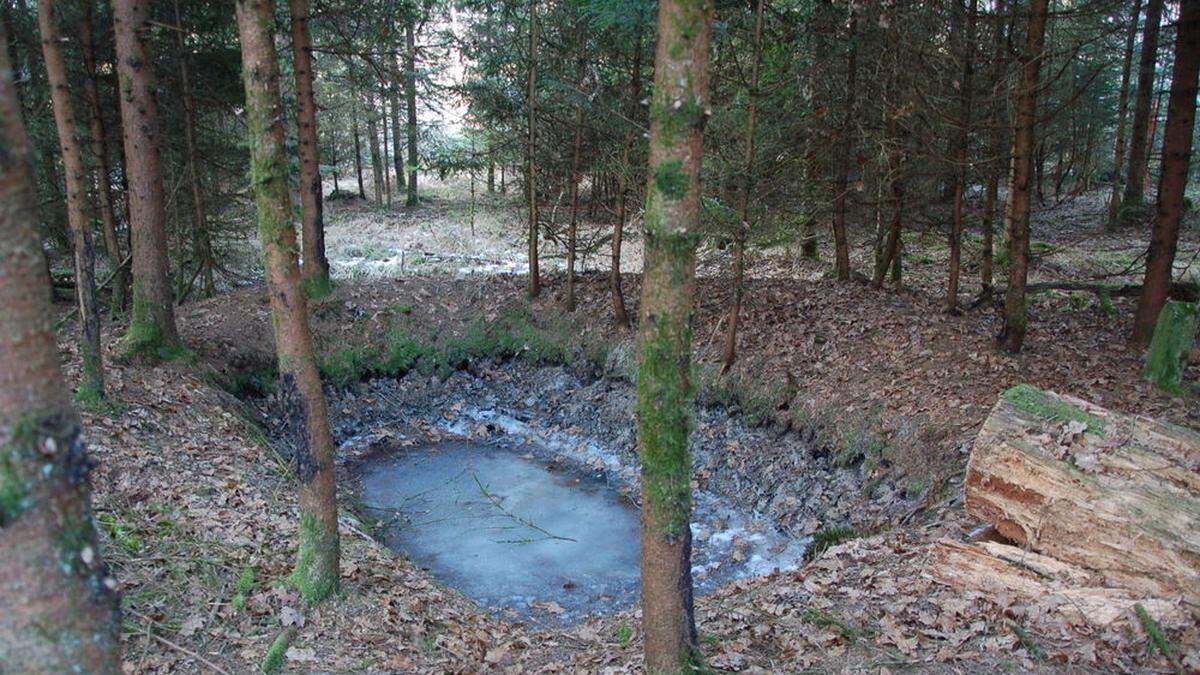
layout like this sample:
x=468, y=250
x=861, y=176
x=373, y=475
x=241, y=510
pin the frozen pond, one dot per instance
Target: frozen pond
x=506, y=529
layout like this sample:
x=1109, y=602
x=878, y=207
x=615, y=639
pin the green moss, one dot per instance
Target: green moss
x=242, y=588
x=1171, y=345
x=827, y=537
x=319, y=285
x=316, y=571
x=344, y=367
x=671, y=180
x=1032, y=400
x=145, y=339
x=1157, y=639
x=273, y=661
x=624, y=635
x=14, y=493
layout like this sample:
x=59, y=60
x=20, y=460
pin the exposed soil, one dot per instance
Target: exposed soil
x=851, y=407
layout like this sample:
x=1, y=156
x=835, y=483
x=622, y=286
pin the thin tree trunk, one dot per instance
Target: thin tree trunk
x=1177, y=154
x=152, y=331
x=376, y=163
x=535, y=282
x=54, y=579
x=1012, y=336
x=1134, y=195
x=889, y=255
x=358, y=164
x=620, y=314
x=743, y=222
x=410, y=99
x=104, y=197
x=573, y=227
x=665, y=392
x=960, y=160
x=1150, y=136
x=91, y=386
x=315, y=268
x=316, y=571
x=841, y=183
x=387, y=172
x=491, y=173
x=997, y=153
x=201, y=245
x=397, y=143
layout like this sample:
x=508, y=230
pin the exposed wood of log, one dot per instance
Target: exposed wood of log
x=1044, y=584
x=1114, y=494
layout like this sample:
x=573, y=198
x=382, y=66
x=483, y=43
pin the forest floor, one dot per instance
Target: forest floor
x=854, y=407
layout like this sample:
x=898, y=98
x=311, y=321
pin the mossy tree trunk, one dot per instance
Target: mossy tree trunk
x=315, y=269
x=91, y=386
x=1177, y=155
x=1140, y=130
x=1171, y=346
x=99, y=144
x=1012, y=336
x=152, y=331
x=58, y=610
x=665, y=391
x=316, y=572
x=742, y=227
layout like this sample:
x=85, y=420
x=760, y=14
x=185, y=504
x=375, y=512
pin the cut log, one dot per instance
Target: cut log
x=1113, y=494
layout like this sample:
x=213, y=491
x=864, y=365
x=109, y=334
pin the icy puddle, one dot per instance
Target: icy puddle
x=527, y=539
x=507, y=530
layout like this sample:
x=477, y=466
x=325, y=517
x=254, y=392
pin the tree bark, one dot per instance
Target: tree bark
x=358, y=168
x=665, y=392
x=99, y=143
x=315, y=268
x=960, y=159
x=59, y=612
x=620, y=314
x=576, y=158
x=376, y=162
x=316, y=571
x=152, y=331
x=1177, y=155
x=1012, y=336
x=1138, y=157
x=535, y=282
x=397, y=143
x=410, y=99
x=383, y=155
x=743, y=224
x=91, y=386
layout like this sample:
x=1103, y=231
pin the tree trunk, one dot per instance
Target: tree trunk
x=841, y=182
x=960, y=160
x=620, y=314
x=201, y=244
x=1108, y=492
x=58, y=610
x=1134, y=194
x=316, y=571
x=315, y=268
x=358, y=168
x=410, y=99
x=397, y=143
x=998, y=161
x=743, y=223
x=1012, y=336
x=665, y=392
x=104, y=197
x=383, y=155
x=535, y=282
x=1177, y=154
x=376, y=163
x=576, y=158
x=152, y=331
x=91, y=386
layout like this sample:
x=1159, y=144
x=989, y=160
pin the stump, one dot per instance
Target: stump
x=1171, y=345
x=1113, y=494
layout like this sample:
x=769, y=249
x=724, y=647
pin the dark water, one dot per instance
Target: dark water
x=507, y=530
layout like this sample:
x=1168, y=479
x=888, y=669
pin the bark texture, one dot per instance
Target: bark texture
x=316, y=571
x=1139, y=133
x=1114, y=202
x=202, y=255
x=1012, y=336
x=58, y=610
x=91, y=385
x=315, y=268
x=152, y=330
x=534, y=288
x=1107, y=492
x=1177, y=156
x=410, y=100
x=665, y=392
